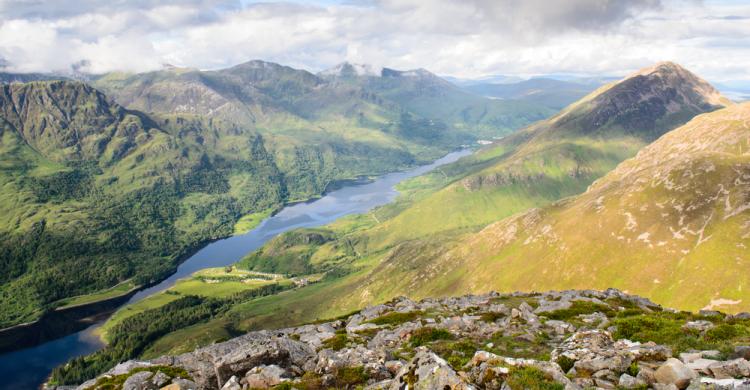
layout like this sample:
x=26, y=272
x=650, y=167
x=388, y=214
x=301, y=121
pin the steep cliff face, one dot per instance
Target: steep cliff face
x=70, y=121
x=553, y=340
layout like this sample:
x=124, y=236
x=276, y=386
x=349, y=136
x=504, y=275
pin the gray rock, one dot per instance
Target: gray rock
x=737, y=368
x=428, y=371
x=547, y=306
x=160, y=379
x=232, y=384
x=181, y=384
x=674, y=372
x=212, y=366
x=139, y=381
x=699, y=326
x=742, y=351
x=263, y=377
x=629, y=382
x=701, y=365
x=719, y=384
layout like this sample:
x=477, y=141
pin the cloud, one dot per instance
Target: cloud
x=466, y=38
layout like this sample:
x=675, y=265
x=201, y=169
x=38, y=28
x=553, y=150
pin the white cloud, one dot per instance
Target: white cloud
x=466, y=38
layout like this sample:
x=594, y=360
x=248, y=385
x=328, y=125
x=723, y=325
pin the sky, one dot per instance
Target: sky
x=467, y=38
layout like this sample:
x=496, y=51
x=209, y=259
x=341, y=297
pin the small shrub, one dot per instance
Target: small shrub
x=424, y=336
x=347, y=377
x=518, y=347
x=725, y=332
x=633, y=369
x=565, y=363
x=580, y=307
x=457, y=353
x=491, y=316
x=337, y=342
x=395, y=318
x=530, y=378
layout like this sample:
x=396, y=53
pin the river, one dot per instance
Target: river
x=28, y=368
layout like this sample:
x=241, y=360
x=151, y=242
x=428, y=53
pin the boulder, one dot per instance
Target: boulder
x=741, y=351
x=263, y=377
x=630, y=382
x=701, y=365
x=428, y=371
x=139, y=381
x=674, y=372
x=737, y=368
x=181, y=384
x=699, y=326
x=160, y=379
x=232, y=384
x=719, y=384
x=212, y=366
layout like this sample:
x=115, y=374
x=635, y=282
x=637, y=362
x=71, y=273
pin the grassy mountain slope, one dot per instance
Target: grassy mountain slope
x=671, y=223
x=408, y=247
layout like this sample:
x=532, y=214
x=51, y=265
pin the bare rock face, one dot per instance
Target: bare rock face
x=212, y=366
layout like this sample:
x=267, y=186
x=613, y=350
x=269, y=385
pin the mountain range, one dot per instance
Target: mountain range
x=107, y=182
x=574, y=201
x=640, y=184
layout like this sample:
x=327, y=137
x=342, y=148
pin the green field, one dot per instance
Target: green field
x=209, y=282
x=116, y=291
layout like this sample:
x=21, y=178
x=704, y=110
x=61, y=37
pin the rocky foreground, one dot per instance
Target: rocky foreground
x=554, y=340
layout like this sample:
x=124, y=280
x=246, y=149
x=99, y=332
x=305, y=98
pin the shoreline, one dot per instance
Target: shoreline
x=34, y=333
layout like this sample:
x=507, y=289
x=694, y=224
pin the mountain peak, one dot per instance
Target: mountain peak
x=348, y=69
x=648, y=102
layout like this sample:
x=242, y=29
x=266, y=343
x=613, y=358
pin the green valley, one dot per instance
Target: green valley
x=95, y=193
x=435, y=239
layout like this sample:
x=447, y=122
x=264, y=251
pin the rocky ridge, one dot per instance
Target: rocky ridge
x=553, y=340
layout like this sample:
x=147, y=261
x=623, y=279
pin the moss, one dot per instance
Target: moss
x=530, y=378
x=116, y=382
x=667, y=328
x=456, y=353
x=346, y=377
x=423, y=336
x=633, y=369
x=337, y=342
x=519, y=347
x=395, y=318
x=491, y=316
x=369, y=333
x=725, y=332
x=580, y=307
x=565, y=363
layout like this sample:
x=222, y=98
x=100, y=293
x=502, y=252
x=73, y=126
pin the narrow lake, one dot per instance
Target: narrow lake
x=28, y=368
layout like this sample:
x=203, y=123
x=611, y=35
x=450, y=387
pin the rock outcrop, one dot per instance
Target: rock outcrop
x=554, y=340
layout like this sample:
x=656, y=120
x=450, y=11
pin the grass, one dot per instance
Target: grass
x=396, y=318
x=116, y=382
x=210, y=282
x=668, y=329
x=530, y=378
x=250, y=221
x=580, y=307
x=116, y=291
x=424, y=336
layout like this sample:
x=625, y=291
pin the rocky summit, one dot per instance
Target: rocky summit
x=552, y=340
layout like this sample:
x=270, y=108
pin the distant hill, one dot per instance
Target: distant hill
x=548, y=92
x=429, y=96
